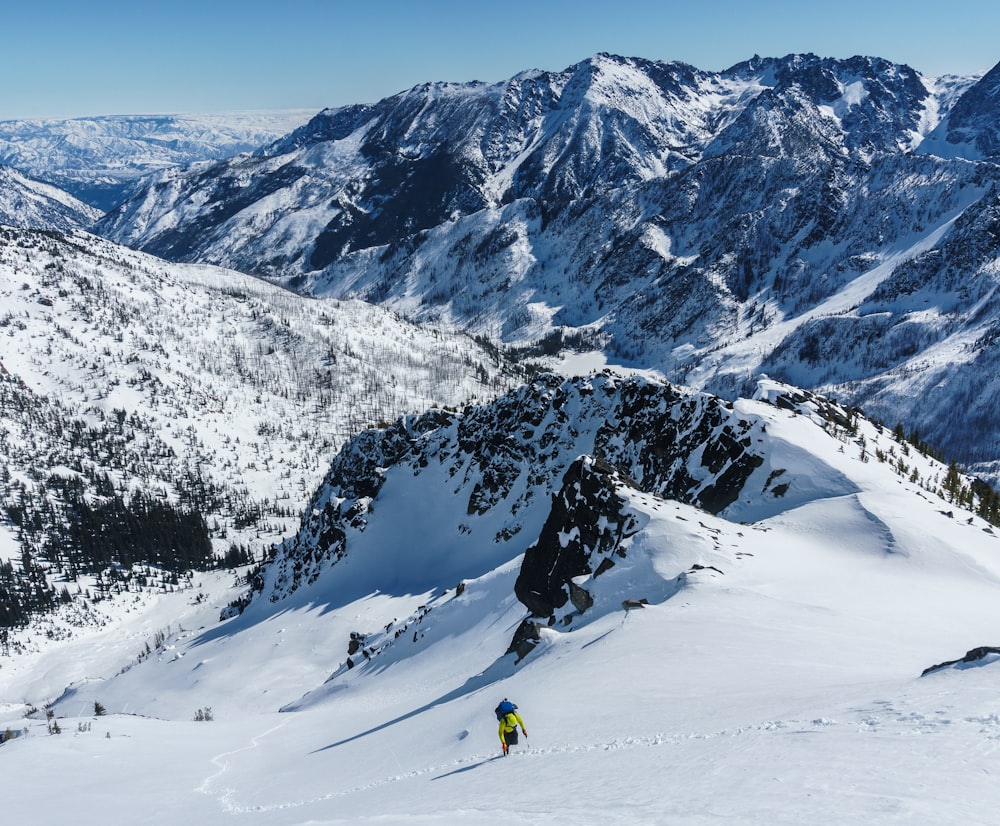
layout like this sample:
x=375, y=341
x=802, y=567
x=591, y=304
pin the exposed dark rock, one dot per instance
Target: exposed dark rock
x=671, y=425
x=805, y=401
x=580, y=597
x=357, y=640
x=970, y=657
x=586, y=524
x=527, y=636
x=606, y=565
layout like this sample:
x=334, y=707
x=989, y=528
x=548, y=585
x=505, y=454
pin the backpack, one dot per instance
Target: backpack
x=505, y=708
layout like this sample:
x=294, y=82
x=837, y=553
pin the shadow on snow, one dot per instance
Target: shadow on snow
x=501, y=669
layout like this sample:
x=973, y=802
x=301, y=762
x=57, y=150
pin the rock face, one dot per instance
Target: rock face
x=970, y=129
x=525, y=639
x=582, y=535
x=563, y=473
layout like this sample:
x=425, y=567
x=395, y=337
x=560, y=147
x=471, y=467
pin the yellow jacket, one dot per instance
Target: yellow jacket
x=509, y=722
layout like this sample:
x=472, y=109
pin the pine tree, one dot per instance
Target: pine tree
x=953, y=483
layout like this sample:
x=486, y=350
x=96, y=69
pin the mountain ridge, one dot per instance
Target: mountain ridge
x=493, y=467
x=400, y=544
x=692, y=222
x=31, y=203
x=737, y=595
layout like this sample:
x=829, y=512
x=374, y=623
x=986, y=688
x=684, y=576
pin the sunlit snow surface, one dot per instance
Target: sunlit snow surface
x=780, y=684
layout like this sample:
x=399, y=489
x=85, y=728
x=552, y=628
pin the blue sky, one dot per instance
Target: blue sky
x=63, y=59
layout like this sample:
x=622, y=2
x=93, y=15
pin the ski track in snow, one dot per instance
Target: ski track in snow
x=222, y=764
x=878, y=718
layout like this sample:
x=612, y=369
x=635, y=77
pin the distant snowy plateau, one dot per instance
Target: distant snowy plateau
x=99, y=159
x=310, y=454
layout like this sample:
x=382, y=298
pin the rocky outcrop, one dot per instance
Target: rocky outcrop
x=582, y=536
x=507, y=458
x=527, y=636
x=974, y=655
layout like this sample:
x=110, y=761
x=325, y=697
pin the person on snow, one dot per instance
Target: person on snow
x=509, y=721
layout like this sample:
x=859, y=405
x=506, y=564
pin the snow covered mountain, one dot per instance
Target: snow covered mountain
x=794, y=216
x=765, y=659
x=165, y=416
x=30, y=203
x=97, y=159
x=500, y=464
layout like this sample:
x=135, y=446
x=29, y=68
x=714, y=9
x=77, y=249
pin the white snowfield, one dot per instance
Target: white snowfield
x=780, y=683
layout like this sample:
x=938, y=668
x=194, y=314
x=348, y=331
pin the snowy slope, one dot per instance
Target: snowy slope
x=774, y=676
x=30, y=203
